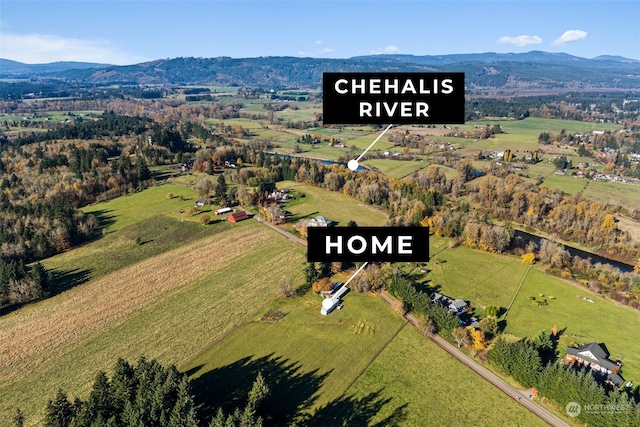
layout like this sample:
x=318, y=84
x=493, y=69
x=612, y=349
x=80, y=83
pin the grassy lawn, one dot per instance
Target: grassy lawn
x=396, y=168
x=167, y=307
x=616, y=194
x=308, y=359
x=566, y=183
x=422, y=385
x=475, y=276
x=601, y=321
x=123, y=211
x=333, y=205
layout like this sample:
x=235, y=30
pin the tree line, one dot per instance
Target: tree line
x=145, y=394
x=44, y=184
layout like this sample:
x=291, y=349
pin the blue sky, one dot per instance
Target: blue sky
x=127, y=32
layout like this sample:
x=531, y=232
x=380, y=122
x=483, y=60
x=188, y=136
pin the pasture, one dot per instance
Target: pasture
x=129, y=245
x=476, y=276
x=616, y=194
x=334, y=205
x=308, y=360
x=167, y=307
x=566, y=183
x=396, y=168
x=420, y=384
x=601, y=321
x=485, y=279
x=126, y=210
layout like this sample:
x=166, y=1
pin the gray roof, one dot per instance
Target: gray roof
x=459, y=304
x=593, y=353
x=616, y=379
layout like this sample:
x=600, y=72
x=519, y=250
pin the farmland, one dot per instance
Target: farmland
x=159, y=283
x=333, y=205
x=166, y=307
x=420, y=382
x=485, y=279
x=287, y=353
x=127, y=210
x=399, y=375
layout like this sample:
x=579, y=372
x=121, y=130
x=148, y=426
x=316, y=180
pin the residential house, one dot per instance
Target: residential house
x=456, y=306
x=595, y=357
x=319, y=221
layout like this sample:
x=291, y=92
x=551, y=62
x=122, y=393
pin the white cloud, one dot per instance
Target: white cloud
x=570, y=36
x=42, y=48
x=316, y=52
x=520, y=40
x=389, y=49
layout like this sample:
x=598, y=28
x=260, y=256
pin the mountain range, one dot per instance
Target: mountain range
x=532, y=72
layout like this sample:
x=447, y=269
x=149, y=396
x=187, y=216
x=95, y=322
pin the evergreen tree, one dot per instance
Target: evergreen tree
x=221, y=188
x=310, y=273
x=59, y=412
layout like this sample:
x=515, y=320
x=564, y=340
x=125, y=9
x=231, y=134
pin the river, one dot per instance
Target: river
x=527, y=237
x=324, y=162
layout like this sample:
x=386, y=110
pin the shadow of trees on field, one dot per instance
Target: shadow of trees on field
x=293, y=393
x=105, y=218
x=291, y=390
x=356, y=412
x=63, y=280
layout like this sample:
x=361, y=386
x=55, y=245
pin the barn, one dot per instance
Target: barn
x=237, y=216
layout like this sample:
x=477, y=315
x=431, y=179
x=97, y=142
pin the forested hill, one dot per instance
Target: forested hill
x=487, y=72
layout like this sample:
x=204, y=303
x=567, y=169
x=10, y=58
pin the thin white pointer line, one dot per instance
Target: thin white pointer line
x=373, y=143
x=359, y=270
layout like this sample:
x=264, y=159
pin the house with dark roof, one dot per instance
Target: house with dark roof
x=595, y=357
x=455, y=306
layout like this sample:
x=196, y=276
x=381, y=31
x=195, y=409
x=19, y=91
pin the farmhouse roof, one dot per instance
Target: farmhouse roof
x=319, y=221
x=458, y=304
x=616, y=379
x=593, y=353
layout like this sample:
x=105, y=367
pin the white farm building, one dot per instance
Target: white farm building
x=332, y=301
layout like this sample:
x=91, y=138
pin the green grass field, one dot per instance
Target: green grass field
x=475, y=276
x=364, y=141
x=486, y=279
x=167, y=307
x=131, y=244
x=522, y=135
x=333, y=205
x=566, y=183
x=396, y=168
x=127, y=210
x=422, y=385
x=616, y=194
x=600, y=321
x=308, y=359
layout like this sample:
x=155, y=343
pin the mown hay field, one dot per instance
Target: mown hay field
x=307, y=359
x=167, y=307
x=422, y=385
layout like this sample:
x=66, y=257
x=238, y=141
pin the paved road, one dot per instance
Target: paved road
x=544, y=414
